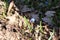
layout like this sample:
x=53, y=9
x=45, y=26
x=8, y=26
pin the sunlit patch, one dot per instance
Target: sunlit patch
x=12, y=19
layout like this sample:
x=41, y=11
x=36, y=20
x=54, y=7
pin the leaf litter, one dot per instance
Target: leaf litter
x=19, y=26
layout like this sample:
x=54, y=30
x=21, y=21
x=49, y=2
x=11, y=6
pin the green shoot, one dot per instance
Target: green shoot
x=51, y=35
x=41, y=27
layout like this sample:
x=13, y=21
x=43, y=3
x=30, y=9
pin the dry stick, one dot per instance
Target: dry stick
x=10, y=7
x=16, y=9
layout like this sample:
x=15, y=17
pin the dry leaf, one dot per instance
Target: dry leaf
x=10, y=7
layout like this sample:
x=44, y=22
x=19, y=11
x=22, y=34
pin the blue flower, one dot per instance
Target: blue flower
x=32, y=20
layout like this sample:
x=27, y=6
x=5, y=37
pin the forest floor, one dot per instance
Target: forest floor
x=19, y=22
